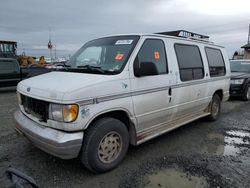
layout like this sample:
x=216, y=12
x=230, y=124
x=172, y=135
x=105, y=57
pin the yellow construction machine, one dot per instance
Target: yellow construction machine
x=27, y=61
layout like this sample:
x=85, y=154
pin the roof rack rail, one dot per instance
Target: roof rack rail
x=186, y=34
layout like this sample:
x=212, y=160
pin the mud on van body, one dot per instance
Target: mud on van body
x=122, y=90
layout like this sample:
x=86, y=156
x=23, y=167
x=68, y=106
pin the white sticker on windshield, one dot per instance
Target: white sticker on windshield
x=119, y=42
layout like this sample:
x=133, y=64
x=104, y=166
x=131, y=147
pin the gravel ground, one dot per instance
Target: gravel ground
x=202, y=154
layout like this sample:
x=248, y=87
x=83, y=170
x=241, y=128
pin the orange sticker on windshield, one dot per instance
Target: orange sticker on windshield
x=119, y=56
x=157, y=55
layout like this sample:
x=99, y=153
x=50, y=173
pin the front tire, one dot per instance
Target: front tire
x=246, y=96
x=215, y=108
x=105, y=145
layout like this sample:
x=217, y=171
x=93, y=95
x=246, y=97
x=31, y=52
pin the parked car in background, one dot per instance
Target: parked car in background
x=122, y=90
x=11, y=73
x=240, y=79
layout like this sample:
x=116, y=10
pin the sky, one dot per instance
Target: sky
x=72, y=23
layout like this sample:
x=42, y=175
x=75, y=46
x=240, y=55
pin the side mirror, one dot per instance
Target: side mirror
x=17, y=177
x=144, y=68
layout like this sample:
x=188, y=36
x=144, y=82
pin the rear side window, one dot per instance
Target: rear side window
x=153, y=50
x=190, y=62
x=216, y=62
x=7, y=66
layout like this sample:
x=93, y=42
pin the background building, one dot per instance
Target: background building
x=247, y=47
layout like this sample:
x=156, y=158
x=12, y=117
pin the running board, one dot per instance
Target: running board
x=160, y=129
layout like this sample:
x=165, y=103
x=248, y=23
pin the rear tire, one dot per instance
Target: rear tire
x=105, y=145
x=246, y=96
x=215, y=108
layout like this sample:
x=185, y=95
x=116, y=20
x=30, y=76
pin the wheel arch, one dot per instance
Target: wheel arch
x=247, y=83
x=248, y=80
x=220, y=93
x=121, y=114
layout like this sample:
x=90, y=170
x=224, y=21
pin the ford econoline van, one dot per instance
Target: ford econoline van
x=122, y=90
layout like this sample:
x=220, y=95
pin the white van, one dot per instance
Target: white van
x=122, y=90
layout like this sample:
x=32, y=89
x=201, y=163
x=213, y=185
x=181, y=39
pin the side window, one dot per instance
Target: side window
x=190, y=62
x=153, y=50
x=215, y=62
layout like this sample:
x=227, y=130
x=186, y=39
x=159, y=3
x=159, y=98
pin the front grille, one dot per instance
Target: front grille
x=35, y=107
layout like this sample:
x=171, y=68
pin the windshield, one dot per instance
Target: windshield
x=240, y=66
x=108, y=54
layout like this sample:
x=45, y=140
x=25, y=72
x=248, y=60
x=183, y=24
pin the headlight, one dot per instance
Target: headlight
x=237, y=81
x=63, y=113
x=56, y=112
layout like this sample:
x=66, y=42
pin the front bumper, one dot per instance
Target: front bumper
x=58, y=143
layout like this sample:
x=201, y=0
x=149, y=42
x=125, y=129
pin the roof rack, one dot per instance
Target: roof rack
x=186, y=34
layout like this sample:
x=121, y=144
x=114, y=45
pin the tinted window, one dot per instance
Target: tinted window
x=153, y=50
x=215, y=62
x=7, y=66
x=240, y=66
x=190, y=62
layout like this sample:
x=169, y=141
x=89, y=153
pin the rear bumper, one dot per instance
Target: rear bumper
x=58, y=143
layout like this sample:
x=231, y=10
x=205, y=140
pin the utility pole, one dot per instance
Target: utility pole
x=55, y=51
x=249, y=35
x=50, y=46
x=50, y=49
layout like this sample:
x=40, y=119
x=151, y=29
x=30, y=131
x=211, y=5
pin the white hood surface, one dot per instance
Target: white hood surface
x=55, y=86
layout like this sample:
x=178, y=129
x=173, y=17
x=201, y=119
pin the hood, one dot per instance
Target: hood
x=53, y=86
x=239, y=75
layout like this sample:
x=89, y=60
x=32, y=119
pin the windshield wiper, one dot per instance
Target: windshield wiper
x=92, y=68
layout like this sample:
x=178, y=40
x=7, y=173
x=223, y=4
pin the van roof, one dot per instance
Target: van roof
x=182, y=38
x=168, y=36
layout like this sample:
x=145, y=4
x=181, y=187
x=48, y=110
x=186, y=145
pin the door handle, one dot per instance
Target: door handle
x=170, y=91
x=170, y=94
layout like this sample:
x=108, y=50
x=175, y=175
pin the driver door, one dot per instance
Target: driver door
x=152, y=93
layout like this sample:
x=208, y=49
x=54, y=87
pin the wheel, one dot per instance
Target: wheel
x=215, y=107
x=105, y=145
x=246, y=96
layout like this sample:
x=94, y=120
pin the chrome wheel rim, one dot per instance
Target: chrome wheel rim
x=110, y=147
